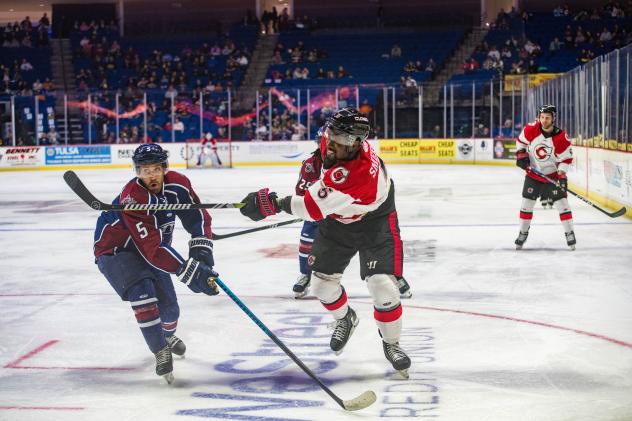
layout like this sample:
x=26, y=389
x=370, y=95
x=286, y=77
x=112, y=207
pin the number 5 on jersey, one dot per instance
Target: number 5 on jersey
x=142, y=230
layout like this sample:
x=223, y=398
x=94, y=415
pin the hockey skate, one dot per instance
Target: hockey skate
x=343, y=330
x=301, y=286
x=570, y=239
x=404, y=288
x=164, y=364
x=397, y=357
x=176, y=345
x=522, y=237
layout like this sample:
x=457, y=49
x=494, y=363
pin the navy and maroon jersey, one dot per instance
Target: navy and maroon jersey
x=548, y=153
x=150, y=232
x=310, y=173
x=347, y=191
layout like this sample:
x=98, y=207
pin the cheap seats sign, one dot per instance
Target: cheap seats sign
x=418, y=150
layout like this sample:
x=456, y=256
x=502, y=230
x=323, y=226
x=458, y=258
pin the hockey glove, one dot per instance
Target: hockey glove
x=260, y=205
x=201, y=249
x=522, y=159
x=562, y=181
x=198, y=277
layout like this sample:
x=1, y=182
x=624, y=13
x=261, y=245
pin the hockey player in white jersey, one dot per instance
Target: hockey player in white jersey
x=355, y=201
x=544, y=147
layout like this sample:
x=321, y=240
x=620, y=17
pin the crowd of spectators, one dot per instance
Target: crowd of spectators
x=208, y=67
x=18, y=75
x=303, y=58
x=519, y=54
x=25, y=34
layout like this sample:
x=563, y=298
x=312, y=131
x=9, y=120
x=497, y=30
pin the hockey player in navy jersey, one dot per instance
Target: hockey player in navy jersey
x=133, y=251
x=354, y=200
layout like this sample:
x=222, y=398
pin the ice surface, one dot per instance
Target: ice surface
x=494, y=334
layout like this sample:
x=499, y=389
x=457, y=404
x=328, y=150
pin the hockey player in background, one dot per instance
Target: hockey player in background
x=354, y=200
x=310, y=173
x=544, y=147
x=133, y=251
x=208, y=150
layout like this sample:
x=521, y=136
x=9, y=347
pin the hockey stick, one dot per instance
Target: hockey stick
x=84, y=194
x=248, y=231
x=359, y=402
x=616, y=214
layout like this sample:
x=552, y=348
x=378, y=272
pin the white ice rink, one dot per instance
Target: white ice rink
x=495, y=334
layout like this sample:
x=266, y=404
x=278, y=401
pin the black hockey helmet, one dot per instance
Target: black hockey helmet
x=348, y=125
x=150, y=153
x=548, y=109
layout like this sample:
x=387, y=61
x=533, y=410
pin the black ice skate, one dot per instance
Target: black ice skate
x=522, y=237
x=343, y=330
x=177, y=346
x=396, y=356
x=570, y=239
x=301, y=286
x=164, y=364
x=404, y=288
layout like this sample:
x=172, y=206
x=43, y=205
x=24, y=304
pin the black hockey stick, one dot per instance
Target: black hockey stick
x=616, y=214
x=359, y=402
x=84, y=194
x=248, y=231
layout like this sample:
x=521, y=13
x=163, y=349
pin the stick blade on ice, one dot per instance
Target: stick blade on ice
x=365, y=400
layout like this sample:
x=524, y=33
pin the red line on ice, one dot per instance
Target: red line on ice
x=16, y=363
x=531, y=322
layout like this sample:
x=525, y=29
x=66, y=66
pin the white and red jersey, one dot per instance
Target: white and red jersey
x=347, y=191
x=548, y=153
x=212, y=143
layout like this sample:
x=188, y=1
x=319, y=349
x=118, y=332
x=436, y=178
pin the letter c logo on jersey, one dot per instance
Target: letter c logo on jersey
x=339, y=175
x=542, y=152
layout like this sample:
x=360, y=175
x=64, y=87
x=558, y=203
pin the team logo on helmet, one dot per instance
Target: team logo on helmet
x=543, y=152
x=339, y=175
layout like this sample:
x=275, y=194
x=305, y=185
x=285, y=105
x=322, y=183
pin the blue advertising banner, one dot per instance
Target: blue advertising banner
x=59, y=155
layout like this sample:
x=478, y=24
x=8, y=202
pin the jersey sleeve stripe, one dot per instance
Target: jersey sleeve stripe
x=312, y=207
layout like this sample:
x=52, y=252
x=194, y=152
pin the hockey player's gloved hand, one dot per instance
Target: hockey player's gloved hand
x=260, y=205
x=522, y=159
x=198, y=277
x=562, y=181
x=201, y=249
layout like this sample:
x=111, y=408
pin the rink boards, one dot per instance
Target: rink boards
x=604, y=176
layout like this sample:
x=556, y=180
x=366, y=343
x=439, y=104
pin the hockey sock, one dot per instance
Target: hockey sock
x=330, y=293
x=526, y=214
x=142, y=298
x=566, y=216
x=169, y=314
x=386, y=305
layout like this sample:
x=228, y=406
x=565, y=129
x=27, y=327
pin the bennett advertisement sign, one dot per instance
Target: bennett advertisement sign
x=21, y=156
x=63, y=155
